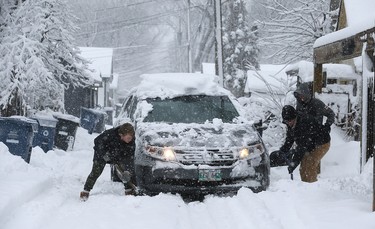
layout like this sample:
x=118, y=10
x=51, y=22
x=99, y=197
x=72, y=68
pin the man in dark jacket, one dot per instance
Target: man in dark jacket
x=114, y=146
x=311, y=143
x=313, y=107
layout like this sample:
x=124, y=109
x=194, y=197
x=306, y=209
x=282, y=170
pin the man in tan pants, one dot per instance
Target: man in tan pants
x=309, y=168
x=310, y=106
x=312, y=143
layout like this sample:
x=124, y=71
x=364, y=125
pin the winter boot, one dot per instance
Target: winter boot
x=130, y=191
x=84, y=195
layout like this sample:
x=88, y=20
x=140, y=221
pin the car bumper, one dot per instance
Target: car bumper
x=153, y=180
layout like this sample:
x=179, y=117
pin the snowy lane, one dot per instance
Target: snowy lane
x=22, y=196
x=45, y=195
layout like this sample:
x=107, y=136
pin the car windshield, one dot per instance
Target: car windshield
x=191, y=109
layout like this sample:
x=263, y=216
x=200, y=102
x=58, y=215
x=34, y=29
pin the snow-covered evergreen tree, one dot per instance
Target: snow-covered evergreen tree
x=39, y=57
x=240, y=48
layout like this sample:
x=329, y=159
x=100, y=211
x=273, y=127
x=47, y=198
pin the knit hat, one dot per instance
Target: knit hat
x=288, y=113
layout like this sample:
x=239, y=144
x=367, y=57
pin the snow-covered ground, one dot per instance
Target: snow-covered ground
x=45, y=194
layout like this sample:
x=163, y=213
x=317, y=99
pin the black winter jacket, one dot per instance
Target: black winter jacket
x=307, y=134
x=314, y=107
x=110, y=148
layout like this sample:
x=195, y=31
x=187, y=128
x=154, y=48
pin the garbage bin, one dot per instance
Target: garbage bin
x=66, y=129
x=17, y=133
x=45, y=137
x=93, y=120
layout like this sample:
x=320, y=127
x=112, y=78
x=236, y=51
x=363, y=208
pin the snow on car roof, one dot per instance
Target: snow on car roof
x=169, y=85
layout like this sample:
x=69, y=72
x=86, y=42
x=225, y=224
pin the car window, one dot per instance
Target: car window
x=191, y=109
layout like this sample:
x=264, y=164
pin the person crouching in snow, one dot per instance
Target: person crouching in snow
x=114, y=146
x=312, y=143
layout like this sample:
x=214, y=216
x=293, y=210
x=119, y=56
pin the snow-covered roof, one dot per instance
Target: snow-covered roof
x=360, y=17
x=334, y=71
x=305, y=70
x=169, y=85
x=101, y=61
x=270, y=73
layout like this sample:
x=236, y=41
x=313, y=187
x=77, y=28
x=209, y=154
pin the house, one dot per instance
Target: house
x=101, y=93
x=102, y=71
x=355, y=27
x=353, y=43
x=333, y=74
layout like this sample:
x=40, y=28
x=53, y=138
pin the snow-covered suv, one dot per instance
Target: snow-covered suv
x=191, y=137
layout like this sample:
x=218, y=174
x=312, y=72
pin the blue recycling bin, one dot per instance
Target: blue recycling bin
x=93, y=120
x=17, y=133
x=66, y=129
x=45, y=137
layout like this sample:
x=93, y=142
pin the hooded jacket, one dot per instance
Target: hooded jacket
x=313, y=107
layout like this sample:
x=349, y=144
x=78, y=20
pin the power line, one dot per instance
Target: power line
x=142, y=19
x=131, y=4
x=131, y=22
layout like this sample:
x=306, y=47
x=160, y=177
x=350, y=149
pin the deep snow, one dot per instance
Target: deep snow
x=45, y=194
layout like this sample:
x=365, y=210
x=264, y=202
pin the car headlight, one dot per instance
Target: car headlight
x=162, y=153
x=249, y=151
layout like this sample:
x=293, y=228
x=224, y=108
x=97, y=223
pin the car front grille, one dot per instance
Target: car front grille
x=206, y=157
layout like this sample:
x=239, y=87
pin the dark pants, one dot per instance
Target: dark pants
x=96, y=171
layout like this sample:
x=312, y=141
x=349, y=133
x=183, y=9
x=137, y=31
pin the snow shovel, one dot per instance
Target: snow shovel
x=125, y=177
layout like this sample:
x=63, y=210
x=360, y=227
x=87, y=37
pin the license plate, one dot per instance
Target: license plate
x=209, y=175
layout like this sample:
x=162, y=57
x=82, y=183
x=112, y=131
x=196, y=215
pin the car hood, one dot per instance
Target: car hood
x=210, y=136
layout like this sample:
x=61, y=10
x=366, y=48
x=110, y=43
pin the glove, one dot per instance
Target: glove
x=124, y=176
x=291, y=167
x=84, y=195
x=131, y=189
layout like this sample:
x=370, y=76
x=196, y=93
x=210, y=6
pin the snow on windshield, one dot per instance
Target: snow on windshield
x=172, y=85
x=169, y=85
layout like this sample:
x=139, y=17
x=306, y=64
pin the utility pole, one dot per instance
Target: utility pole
x=219, y=42
x=179, y=46
x=190, y=59
x=105, y=80
x=373, y=152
